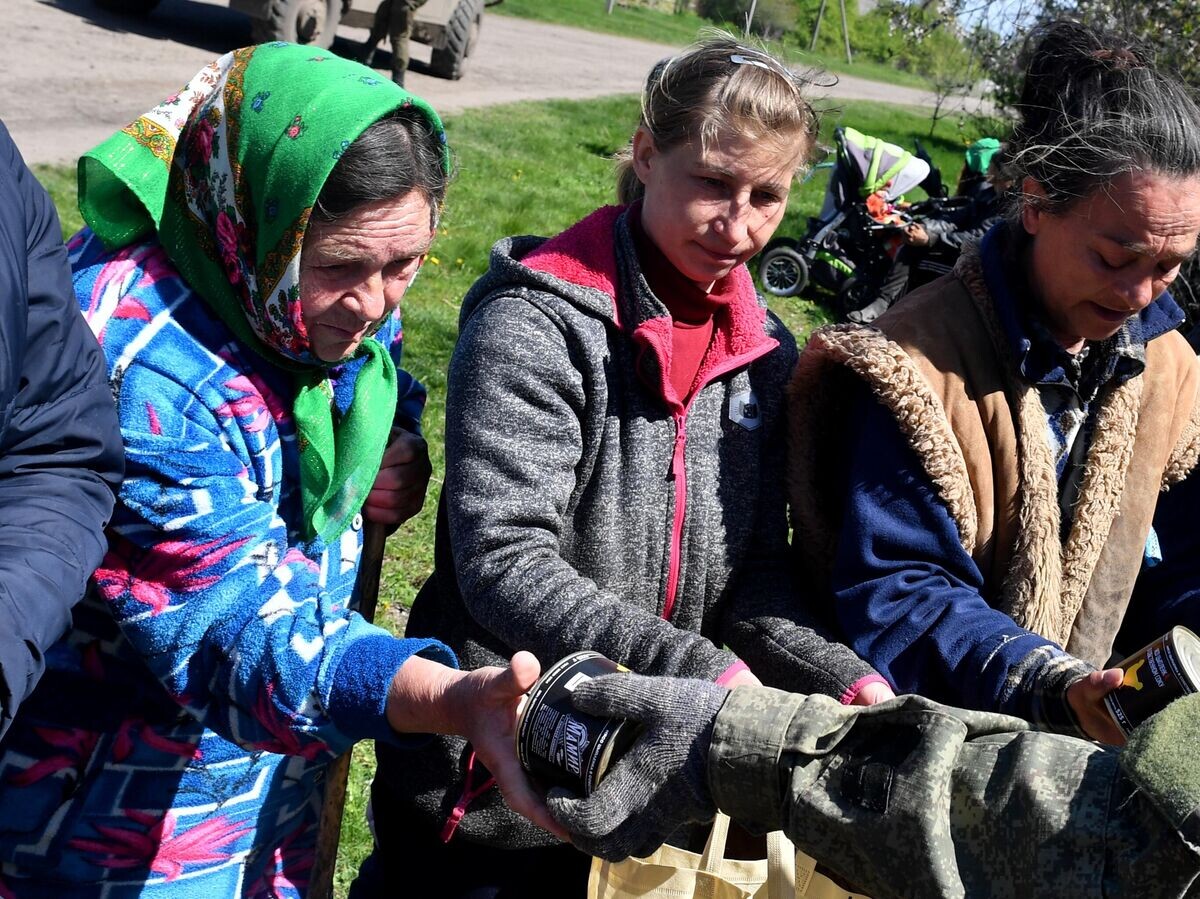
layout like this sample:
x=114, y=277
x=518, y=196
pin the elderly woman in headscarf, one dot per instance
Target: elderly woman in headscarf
x=248, y=244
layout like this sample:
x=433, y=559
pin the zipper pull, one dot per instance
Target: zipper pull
x=677, y=447
x=452, y=821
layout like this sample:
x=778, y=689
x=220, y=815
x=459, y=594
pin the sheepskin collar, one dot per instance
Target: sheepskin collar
x=943, y=356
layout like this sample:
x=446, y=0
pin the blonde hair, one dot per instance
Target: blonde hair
x=719, y=85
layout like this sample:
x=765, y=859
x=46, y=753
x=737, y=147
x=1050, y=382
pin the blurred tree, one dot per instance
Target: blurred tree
x=950, y=72
x=772, y=18
x=990, y=34
x=1168, y=29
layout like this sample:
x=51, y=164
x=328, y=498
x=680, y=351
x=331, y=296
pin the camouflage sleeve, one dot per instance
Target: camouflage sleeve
x=745, y=757
x=910, y=792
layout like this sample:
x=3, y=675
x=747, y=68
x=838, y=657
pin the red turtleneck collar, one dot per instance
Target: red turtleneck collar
x=692, y=307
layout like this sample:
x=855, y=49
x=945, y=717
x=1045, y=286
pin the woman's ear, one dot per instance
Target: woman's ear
x=1033, y=198
x=644, y=153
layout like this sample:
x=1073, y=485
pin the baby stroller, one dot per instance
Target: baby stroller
x=848, y=249
x=954, y=221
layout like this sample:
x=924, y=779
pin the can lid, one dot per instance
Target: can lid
x=536, y=696
x=1187, y=649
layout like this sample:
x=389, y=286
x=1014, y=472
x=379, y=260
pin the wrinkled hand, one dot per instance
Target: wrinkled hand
x=872, y=693
x=661, y=782
x=1086, y=698
x=489, y=702
x=399, y=490
x=481, y=705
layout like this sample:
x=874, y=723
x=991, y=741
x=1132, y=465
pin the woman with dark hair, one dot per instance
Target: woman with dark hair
x=249, y=243
x=975, y=478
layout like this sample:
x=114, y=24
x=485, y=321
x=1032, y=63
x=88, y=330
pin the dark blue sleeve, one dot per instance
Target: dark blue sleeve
x=60, y=445
x=1168, y=593
x=410, y=402
x=909, y=597
x=410, y=393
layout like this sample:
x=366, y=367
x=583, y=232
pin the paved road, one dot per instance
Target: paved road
x=71, y=73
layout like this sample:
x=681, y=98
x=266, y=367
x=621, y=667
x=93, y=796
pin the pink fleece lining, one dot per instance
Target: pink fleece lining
x=583, y=254
x=855, y=688
x=731, y=672
x=737, y=333
x=655, y=335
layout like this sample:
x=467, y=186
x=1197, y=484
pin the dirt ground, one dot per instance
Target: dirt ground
x=73, y=73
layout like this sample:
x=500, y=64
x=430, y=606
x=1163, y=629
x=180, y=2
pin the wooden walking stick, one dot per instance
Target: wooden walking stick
x=320, y=882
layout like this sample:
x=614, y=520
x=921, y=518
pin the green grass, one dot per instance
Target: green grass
x=530, y=168
x=60, y=181
x=664, y=27
x=625, y=21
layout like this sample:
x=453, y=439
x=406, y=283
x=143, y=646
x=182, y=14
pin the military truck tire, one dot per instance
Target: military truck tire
x=462, y=34
x=130, y=7
x=298, y=22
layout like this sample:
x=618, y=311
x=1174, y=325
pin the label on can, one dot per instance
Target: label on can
x=559, y=745
x=1155, y=676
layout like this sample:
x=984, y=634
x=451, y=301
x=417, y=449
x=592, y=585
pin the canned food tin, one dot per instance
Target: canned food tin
x=1155, y=676
x=560, y=746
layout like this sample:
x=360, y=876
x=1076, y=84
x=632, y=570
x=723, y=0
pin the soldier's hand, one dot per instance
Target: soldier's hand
x=661, y=782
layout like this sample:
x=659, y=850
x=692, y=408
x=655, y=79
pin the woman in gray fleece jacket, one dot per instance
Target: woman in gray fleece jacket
x=614, y=460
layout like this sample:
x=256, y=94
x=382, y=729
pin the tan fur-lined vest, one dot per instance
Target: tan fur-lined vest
x=940, y=363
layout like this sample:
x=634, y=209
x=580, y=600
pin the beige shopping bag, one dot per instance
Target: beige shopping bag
x=673, y=873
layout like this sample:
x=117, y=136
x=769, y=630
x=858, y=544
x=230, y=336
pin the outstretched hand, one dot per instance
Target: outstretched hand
x=1086, y=698
x=661, y=782
x=490, y=700
x=480, y=705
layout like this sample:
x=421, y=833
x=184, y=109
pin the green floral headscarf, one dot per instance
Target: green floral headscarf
x=226, y=172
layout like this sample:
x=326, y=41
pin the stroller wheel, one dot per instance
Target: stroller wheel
x=783, y=272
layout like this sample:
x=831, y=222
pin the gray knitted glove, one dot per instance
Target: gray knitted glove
x=662, y=780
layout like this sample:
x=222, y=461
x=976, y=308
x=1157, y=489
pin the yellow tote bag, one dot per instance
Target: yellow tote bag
x=673, y=873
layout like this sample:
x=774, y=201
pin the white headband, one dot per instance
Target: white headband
x=747, y=61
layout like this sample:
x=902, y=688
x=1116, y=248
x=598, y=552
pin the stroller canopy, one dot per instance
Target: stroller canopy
x=881, y=166
x=866, y=165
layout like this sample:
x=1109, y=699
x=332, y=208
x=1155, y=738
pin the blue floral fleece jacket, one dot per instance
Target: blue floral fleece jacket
x=177, y=741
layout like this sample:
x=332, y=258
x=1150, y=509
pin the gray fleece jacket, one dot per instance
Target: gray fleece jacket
x=585, y=507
